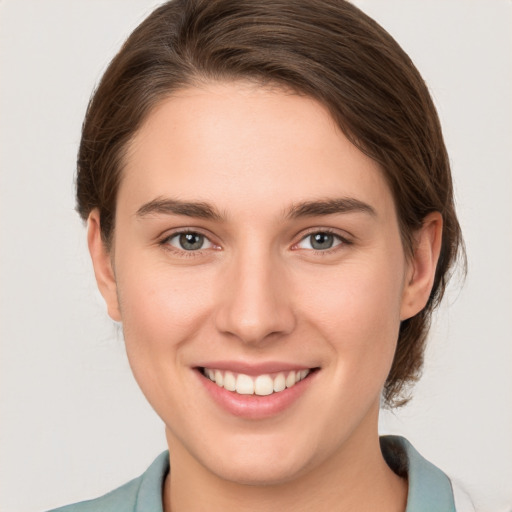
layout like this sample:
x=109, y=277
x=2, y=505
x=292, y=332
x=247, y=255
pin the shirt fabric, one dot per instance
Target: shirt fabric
x=430, y=490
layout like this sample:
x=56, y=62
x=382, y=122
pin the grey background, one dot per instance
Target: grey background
x=73, y=423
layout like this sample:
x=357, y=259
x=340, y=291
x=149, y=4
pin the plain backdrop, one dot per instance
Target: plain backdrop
x=73, y=423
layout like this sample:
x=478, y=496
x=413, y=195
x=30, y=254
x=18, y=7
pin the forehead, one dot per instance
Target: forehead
x=239, y=146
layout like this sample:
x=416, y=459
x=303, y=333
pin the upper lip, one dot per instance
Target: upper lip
x=253, y=369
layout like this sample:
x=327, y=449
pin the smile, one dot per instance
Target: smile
x=262, y=385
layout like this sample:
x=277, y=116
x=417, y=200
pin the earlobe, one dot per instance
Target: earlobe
x=422, y=266
x=102, y=263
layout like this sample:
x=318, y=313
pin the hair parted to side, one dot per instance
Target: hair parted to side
x=326, y=49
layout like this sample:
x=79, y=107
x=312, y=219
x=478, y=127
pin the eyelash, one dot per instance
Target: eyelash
x=165, y=242
x=343, y=241
x=183, y=253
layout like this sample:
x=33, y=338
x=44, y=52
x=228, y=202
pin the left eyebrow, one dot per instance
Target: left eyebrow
x=329, y=207
x=168, y=206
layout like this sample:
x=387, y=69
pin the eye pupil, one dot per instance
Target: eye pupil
x=322, y=241
x=191, y=241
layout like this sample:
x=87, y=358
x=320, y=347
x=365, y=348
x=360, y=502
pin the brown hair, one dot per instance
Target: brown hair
x=326, y=49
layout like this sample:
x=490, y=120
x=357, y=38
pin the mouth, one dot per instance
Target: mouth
x=255, y=391
x=260, y=385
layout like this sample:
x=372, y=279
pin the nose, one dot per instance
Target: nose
x=256, y=304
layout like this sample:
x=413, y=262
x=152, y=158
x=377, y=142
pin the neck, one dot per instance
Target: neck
x=354, y=478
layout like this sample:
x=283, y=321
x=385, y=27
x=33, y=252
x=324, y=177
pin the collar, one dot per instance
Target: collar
x=429, y=488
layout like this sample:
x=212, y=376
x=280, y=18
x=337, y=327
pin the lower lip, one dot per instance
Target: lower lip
x=255, y=407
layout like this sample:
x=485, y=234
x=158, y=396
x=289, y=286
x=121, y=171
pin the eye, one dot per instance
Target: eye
x=320, y=241
x=189, y=241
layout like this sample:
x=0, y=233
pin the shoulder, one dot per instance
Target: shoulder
x=121, y=499
x=429, y=487
x=142, y=493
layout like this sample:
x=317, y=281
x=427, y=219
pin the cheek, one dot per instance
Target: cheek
x=160, y=309
x=356, y=297
x=357, y=310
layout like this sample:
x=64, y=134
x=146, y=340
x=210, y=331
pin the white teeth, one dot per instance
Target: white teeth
x=244, y=385
x=261, y=385
x=229, y=381
x=279, y=383
x=290, y=380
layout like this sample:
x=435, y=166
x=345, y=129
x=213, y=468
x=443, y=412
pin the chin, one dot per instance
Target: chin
x=258, y=472
x=260, y=461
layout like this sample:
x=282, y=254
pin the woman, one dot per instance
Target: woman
x=270, y=217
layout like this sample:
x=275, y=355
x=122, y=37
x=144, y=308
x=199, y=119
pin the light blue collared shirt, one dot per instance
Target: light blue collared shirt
x=429, y=488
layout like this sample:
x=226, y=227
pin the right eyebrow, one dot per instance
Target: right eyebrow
x=168, y=206
x=330, y=206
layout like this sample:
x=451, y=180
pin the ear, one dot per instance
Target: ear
x=422, y=266
x=102, y=263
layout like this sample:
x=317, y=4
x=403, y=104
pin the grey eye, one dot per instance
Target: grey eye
x=320, y=241
x=189, y=241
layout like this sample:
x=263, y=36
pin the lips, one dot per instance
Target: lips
x=261, y=385
x=255, y=391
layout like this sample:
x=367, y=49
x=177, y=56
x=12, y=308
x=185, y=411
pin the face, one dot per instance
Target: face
x=258, y=271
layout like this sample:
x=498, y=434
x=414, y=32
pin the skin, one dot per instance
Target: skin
x=257, y=292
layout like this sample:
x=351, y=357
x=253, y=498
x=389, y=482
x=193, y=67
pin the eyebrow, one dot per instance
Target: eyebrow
x=203, y=210
x=329, y=207
x=167, y=206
